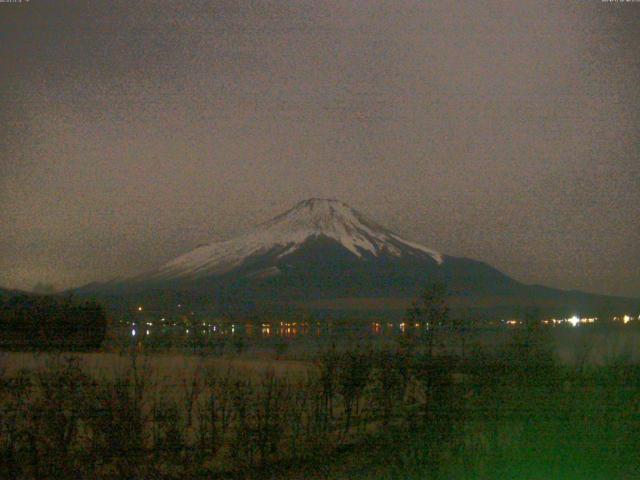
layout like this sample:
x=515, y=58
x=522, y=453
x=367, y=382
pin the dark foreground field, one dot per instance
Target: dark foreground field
x=507, y=412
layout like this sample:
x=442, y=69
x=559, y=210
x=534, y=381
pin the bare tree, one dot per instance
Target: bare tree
x=192, y=388
x=430, y=312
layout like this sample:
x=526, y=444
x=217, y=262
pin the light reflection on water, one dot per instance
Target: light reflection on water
x=285, y=329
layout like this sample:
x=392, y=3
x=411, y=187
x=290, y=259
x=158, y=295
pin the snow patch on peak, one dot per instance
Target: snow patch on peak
x=286, y=233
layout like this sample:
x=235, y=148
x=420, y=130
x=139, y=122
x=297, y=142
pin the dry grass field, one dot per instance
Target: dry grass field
x=162, y=368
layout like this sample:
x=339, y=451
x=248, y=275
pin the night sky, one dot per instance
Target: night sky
x=507, y=132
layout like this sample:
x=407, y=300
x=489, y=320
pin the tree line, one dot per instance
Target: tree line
x=48, y=322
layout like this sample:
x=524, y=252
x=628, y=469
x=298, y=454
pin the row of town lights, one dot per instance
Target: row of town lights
x=266, y=328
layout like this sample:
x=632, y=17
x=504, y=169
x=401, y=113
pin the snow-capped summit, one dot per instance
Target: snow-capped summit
x=286, y=233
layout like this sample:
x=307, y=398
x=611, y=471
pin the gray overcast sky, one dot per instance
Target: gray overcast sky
x=502, y=131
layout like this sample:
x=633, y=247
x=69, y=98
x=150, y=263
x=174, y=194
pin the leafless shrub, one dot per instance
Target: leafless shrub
x=18, y=449
x=354, y=368
x=120, y=419
x=170, y=436
x=389, y=383
x=192, y=387
x=242, y=443
x=583, y=350
x=299, y=398
x=327, y=365
x=215, y=412
x=63, y=404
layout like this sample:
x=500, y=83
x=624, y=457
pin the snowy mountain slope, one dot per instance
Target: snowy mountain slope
x=287, y=233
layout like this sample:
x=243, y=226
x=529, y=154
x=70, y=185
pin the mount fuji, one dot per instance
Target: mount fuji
x=293, y=232
x=324, y=254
